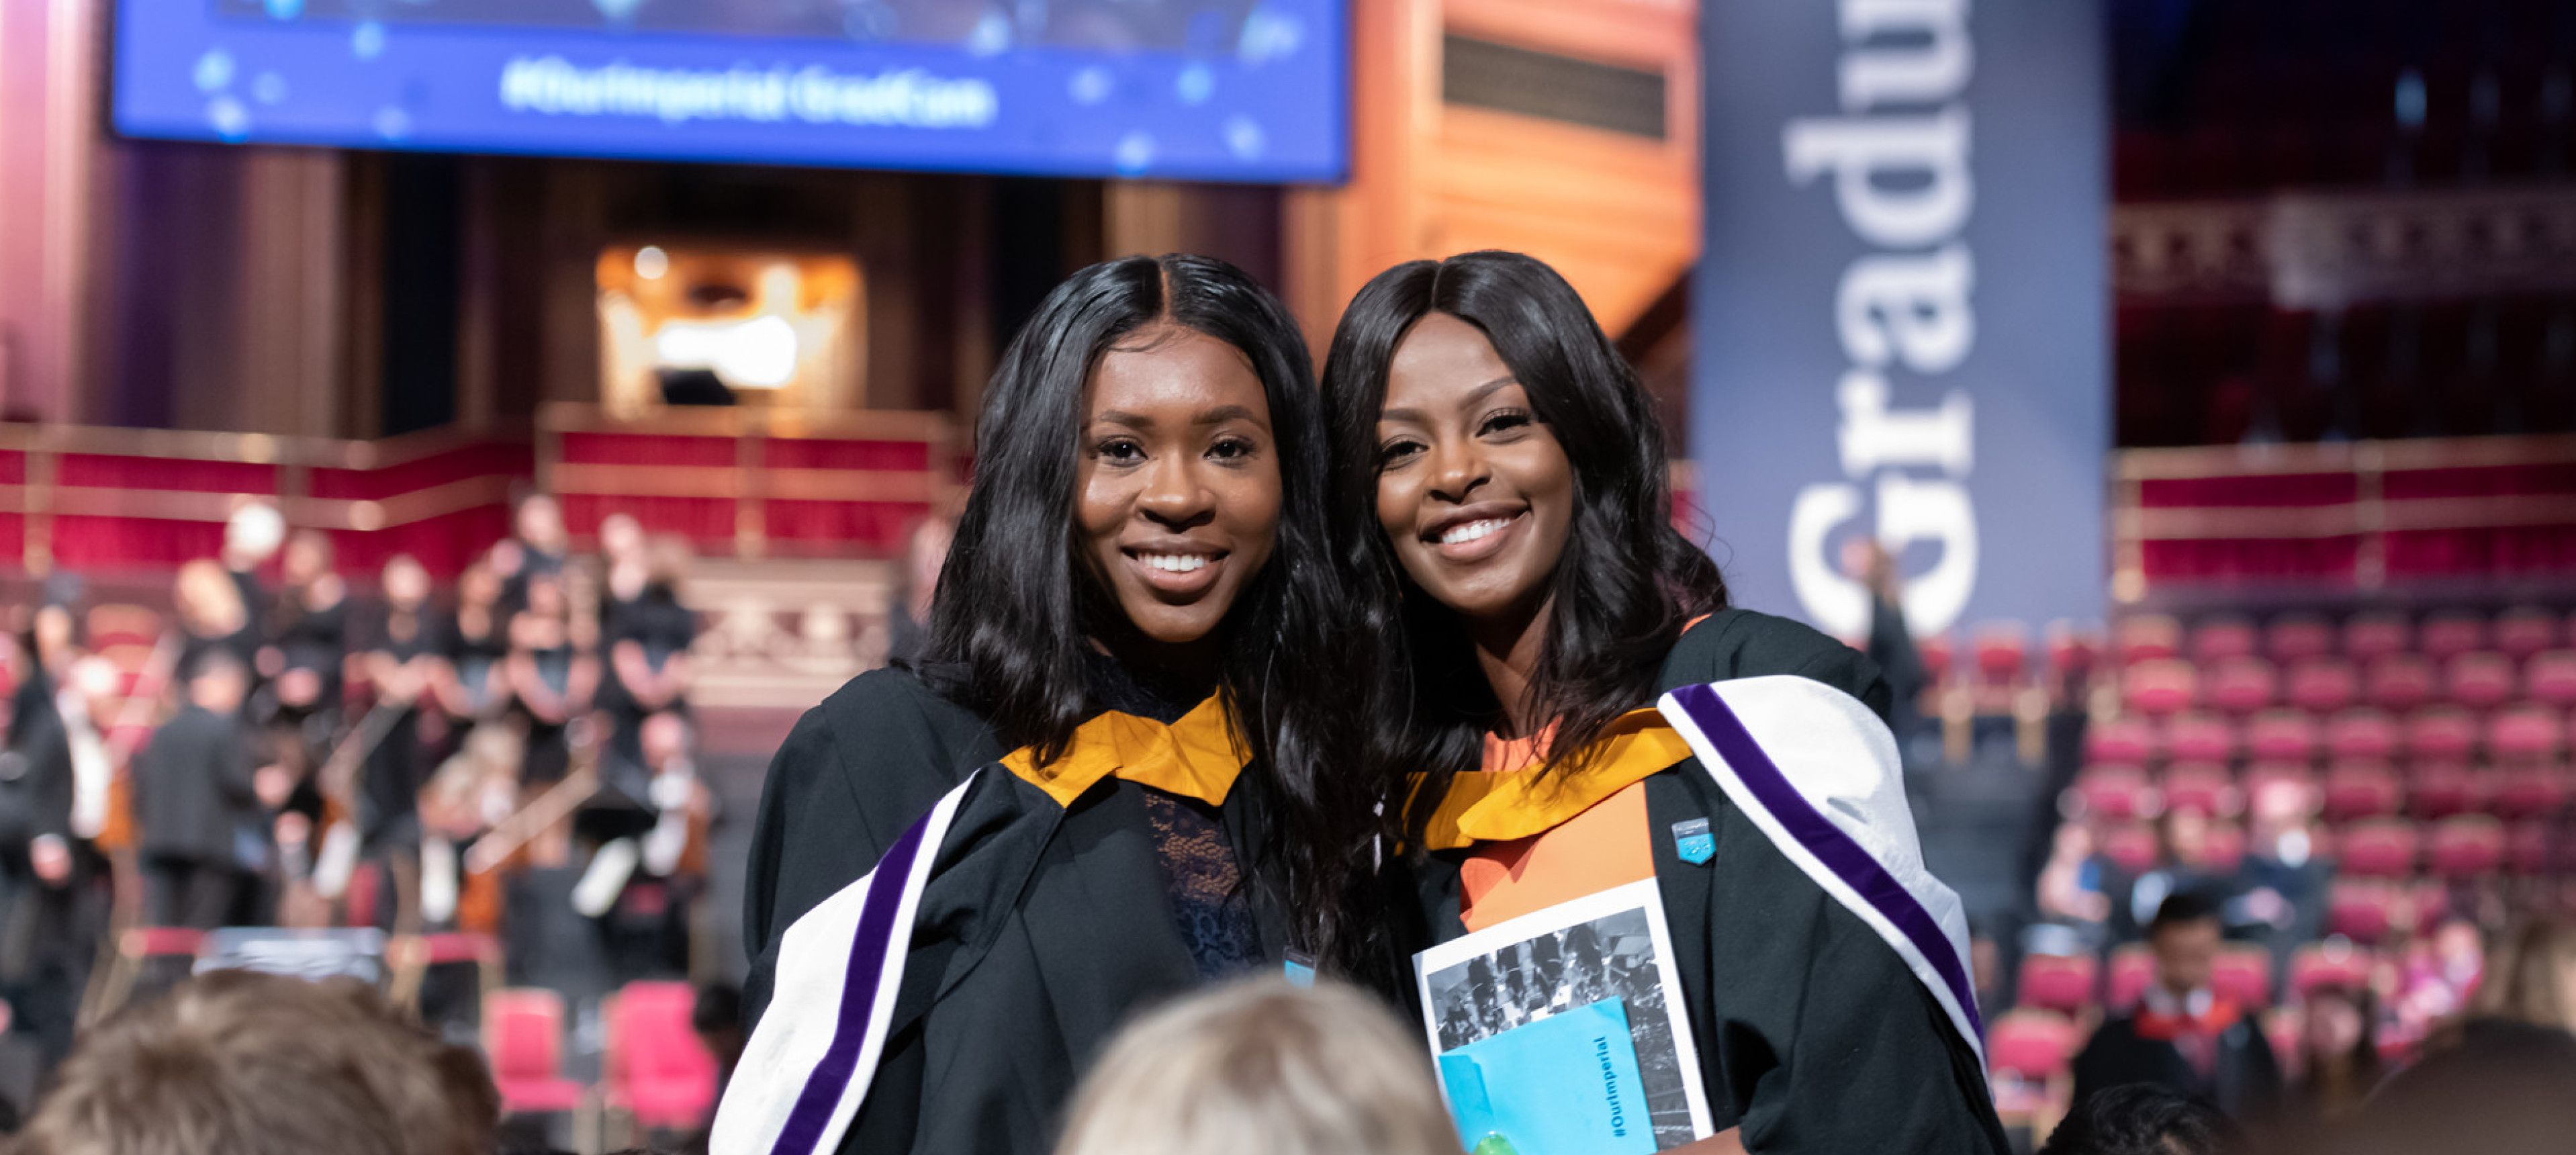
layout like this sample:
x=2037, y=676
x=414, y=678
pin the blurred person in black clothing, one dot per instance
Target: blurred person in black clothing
x=2502, y=1080
x=201, y=802
x=2283, y=881
x=551, y=677
x=2182, y=1035
x=405, y=661
x=648, y=632
x=309, y=630
x=51, y=938
x=2182, y=867
x=2143, y=1119
x=925, y=550
x=537, y=547
x=212, y=617
x=478, y=645
x=1891, y=643
x=2338, y=1054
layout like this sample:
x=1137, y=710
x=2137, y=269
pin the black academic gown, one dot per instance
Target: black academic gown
x=1043, y=926
x=1813, y=1036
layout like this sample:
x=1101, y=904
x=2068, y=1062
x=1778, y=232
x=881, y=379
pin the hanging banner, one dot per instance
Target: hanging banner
x=1900, y=319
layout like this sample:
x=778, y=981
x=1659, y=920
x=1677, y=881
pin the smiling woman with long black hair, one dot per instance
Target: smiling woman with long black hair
x=1571, y=707
x=1104, y=781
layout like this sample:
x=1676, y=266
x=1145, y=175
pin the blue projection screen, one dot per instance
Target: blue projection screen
x=1242, y=90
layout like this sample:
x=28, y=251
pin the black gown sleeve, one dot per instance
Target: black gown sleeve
x=1738, y=643
x=854, y=773
x=1818, y=1038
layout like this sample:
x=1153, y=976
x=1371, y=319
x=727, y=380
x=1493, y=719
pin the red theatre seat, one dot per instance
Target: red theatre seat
x=2032, y=1045
x=2400, y=682
x=2361, y=734
x=2451, y=634
x=2441, y=734
x=656, y=1068
x=2442, y=789
x=2482, y=680
x=2058, y=982
x=2242, y=974
x=2132, y=847
x=2119, y=742
x=2117, y=792
x=2201, y=788
x=2365, y=910
x=2200, y=738
x=2525, y=734
x=2159, y=687
x=2073, y=653
x=2526, y=791
x=2294, y=638
x=2240, y=685
x=2378, y=848
x=2145, y=637
x=2133, y=966
x=2372, y=636
x=2360, y=790
x=2524, y=631
x=2219, y=638
x=2550, y=679
x=2466, y=846
x=523, y=1040
x=2529, y=849
x=2322, y=685
x=2320, y=964
x=2281, y=736
x=2002, y=652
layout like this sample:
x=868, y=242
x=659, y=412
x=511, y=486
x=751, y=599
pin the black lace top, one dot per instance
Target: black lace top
x=1201, y=874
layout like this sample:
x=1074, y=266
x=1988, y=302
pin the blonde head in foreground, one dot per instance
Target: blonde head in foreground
x=1262, y=1068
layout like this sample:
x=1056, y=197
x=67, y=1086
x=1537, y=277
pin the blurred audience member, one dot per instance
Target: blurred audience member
x=925, y=550
x=310, y=630
x=2182, y=867
x=648, y=633
x=2183, y=1035
x=2503, y=1080
x=52, y=935
x=1262, y=1068
x=538, y=547
x=201, y=805
x=252, y=535
x=551, y=679
x=2071, y=884
x=2440, y=975
x=2284, y=879
x=213, y=618
x=1891, y=643
x=236, y=1063
x=2338, y=1061
x=405, y=662
x=478, y=648
x=2143, y=1119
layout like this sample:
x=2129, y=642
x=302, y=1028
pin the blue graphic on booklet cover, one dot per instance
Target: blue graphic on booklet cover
x=1565, y=1085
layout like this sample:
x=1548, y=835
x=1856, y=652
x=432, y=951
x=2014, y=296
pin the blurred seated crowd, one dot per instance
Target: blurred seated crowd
x=2297, y=856
x=289, y=745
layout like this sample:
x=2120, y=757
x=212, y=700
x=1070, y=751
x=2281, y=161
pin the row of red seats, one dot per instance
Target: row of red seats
x=2478, y=680
x=2458, y=848
x=2364, y=637
x=2434, y=735
x=2242, y=974
x=655, y=1071
x=2347, y=791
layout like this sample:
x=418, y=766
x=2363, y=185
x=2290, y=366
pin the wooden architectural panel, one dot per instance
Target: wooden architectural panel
x=1616, y=211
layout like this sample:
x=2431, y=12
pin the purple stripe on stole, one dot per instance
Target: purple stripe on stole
x=822, y=1093
x=1856, y=866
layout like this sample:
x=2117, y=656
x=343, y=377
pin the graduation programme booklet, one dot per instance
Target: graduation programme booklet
x=1563, y=1032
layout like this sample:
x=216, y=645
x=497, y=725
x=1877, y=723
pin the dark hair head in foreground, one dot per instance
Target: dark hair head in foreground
x=2143, y=1119
x=236, y=1063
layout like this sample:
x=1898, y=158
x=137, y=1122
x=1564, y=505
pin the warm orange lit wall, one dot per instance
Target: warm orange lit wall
x=1618, y=215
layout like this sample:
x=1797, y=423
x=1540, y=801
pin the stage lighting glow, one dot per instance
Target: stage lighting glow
x=651, y=262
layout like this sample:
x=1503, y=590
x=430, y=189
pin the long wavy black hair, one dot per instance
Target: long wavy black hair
x=1628, y=581
x=1016, y=612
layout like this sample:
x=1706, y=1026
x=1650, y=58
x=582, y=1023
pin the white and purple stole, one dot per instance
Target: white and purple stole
x=807, y=1066
x=1818, y=774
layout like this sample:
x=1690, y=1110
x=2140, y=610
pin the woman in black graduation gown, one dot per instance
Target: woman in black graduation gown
x=1501, y=477
x=1101, y=783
